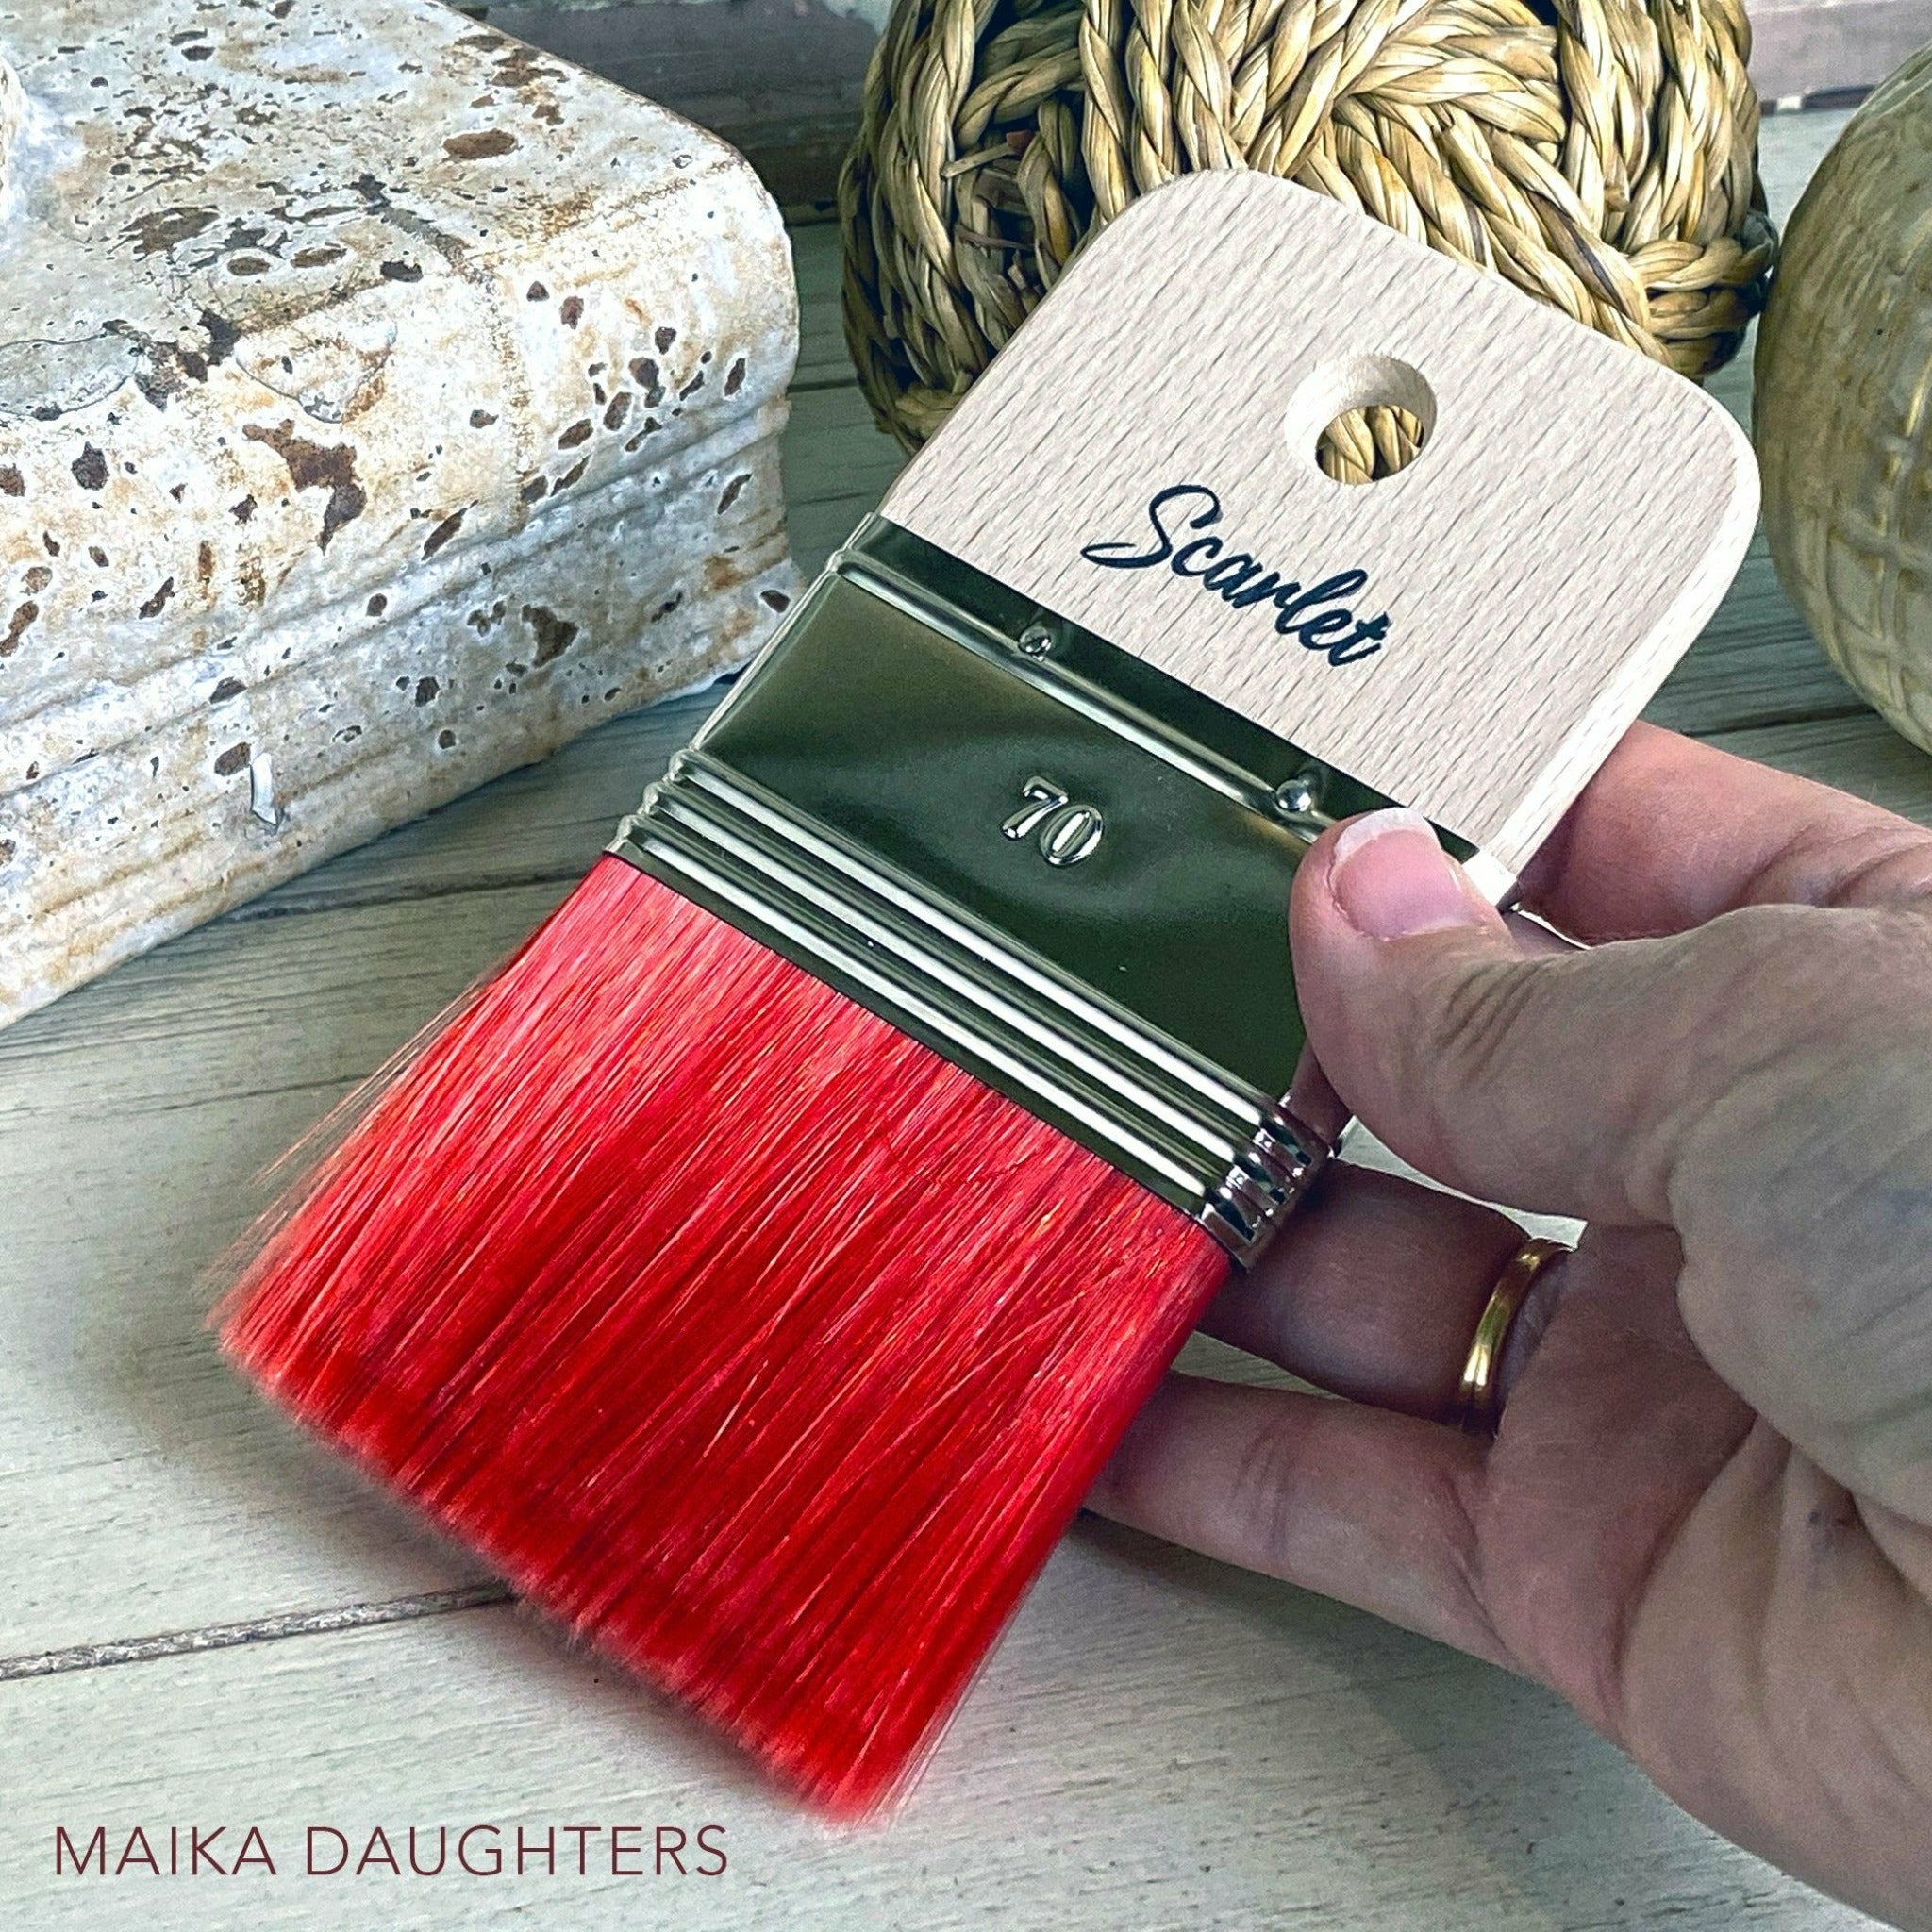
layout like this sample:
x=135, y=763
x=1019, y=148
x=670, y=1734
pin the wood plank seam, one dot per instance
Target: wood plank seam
x=350, y=1616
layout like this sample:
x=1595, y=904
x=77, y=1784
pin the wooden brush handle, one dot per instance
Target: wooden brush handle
x=1142, y=459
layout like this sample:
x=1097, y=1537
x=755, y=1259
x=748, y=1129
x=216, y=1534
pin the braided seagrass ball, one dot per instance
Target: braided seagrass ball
x=1844, y=363
x=1600, y=154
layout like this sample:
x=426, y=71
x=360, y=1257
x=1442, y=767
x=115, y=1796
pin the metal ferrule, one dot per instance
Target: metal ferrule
x=1059, y=868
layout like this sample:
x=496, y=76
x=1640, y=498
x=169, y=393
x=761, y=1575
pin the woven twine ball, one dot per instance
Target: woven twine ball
x=1601, y=153
x=1844, y=434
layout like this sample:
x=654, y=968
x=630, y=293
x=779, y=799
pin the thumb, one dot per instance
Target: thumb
x=1560, y=1082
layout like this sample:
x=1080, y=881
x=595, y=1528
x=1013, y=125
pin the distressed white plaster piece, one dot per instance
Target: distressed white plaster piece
x=379, y=398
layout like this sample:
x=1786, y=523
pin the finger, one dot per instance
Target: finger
x=1375, y=1291
x=1670, y=833
x=1574, y=1084
x=1370, y=1508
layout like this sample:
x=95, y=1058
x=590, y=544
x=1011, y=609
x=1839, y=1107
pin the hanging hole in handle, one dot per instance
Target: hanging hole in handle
x=1362, y=419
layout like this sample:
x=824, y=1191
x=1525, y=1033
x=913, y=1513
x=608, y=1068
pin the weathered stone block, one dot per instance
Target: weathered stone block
x=381, y=404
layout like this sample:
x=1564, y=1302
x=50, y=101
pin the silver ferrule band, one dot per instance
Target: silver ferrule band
x=1231, y=1157
x=1055, y=866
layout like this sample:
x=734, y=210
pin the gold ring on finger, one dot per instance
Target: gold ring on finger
x=1478, y=1404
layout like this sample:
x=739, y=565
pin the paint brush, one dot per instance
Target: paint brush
x=761, y=1267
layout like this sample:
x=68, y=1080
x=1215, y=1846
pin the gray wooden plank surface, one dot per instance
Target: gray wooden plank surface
x=822, y=362
x=1161, y=1741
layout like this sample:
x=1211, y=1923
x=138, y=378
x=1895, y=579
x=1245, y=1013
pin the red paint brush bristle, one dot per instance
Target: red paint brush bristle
x=759, y=1344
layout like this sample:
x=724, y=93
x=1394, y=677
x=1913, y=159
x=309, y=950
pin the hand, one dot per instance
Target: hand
x=1706, y=1516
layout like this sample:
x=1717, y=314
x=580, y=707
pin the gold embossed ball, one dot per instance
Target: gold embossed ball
x=1843, y=404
